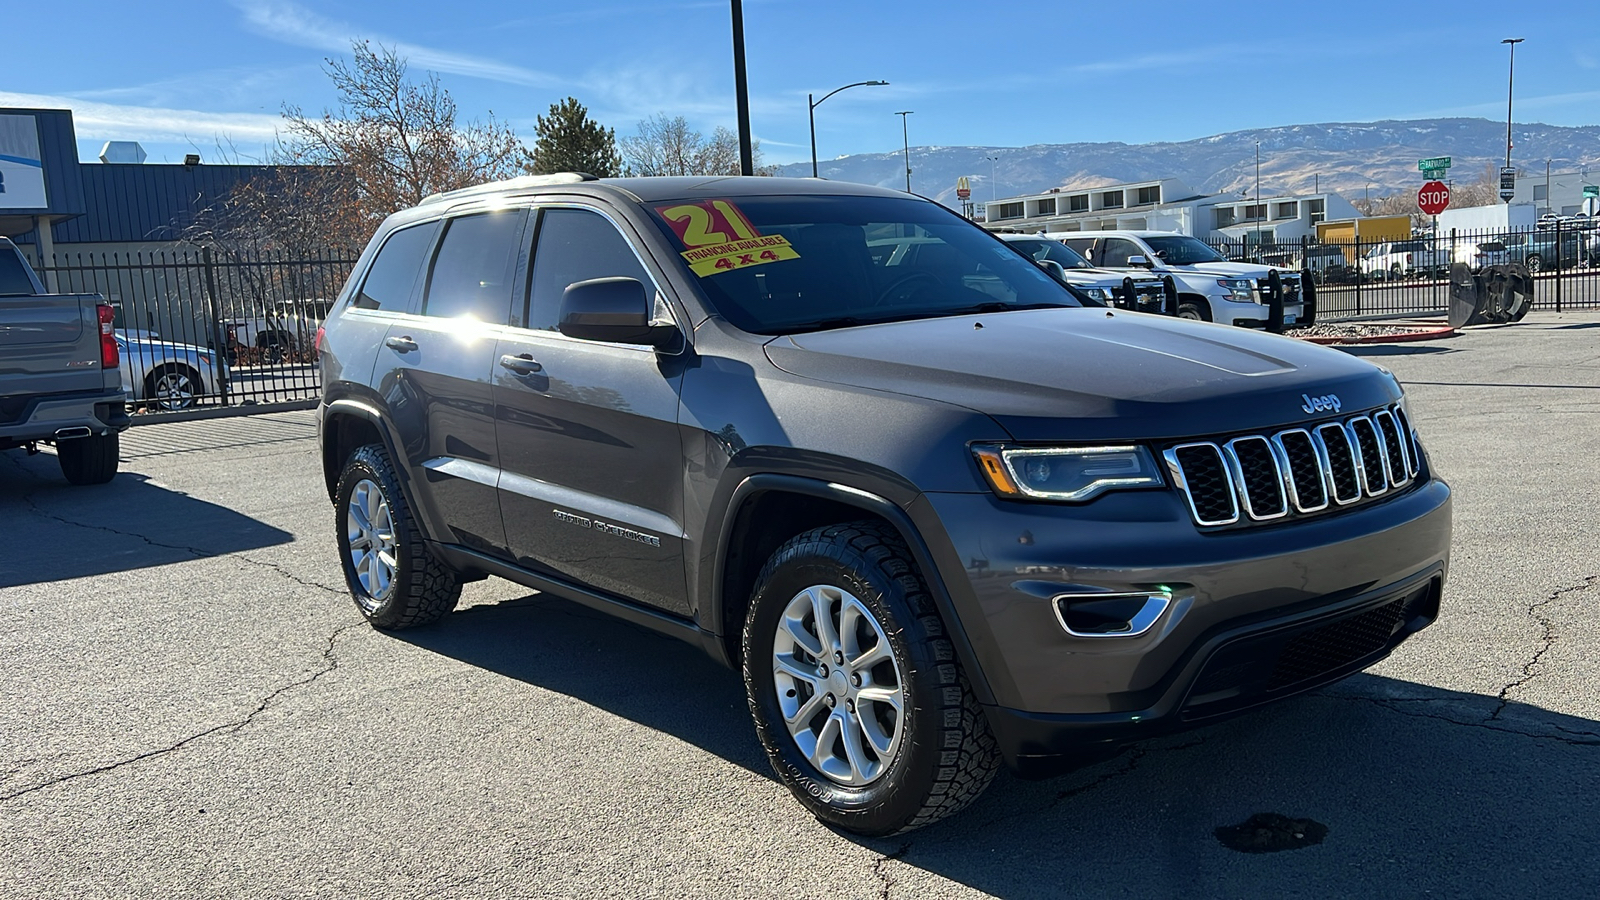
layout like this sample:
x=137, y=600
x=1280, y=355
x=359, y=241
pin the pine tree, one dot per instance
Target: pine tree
x=569, y=141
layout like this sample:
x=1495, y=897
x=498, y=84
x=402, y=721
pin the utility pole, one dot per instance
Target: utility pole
x=741, y=90
x=905, y=136
x=1511, y=74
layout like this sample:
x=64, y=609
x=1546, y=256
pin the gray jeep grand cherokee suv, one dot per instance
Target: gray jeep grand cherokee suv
x=941, y=513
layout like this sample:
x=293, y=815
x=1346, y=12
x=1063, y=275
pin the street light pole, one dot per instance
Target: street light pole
x=813, y=114
x=1261, y=211
x=1511, y=74
x=741, y=89
x=992, y=160
x=905, y=136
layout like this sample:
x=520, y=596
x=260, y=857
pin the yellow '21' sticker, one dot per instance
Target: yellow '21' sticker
x=721, y=239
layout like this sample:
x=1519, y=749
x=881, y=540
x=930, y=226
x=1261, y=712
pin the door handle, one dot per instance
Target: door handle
x=522, y=364
x=403, y=343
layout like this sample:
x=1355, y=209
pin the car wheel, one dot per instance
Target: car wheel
x=395, y=580
x=90, y=460
x=1190, y=309
x=856, y=695
x=1533, y=262
x=172, y=387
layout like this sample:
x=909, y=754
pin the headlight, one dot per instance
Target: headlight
x=1241, y=290
x=1071, y=474
x=1098, y=293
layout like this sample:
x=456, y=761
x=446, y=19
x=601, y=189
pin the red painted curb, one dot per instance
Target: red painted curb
x=1399, y=338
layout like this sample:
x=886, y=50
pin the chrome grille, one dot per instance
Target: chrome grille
x=1298, y=471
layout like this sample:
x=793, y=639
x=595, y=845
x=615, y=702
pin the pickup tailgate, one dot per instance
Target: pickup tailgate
x=50, y=344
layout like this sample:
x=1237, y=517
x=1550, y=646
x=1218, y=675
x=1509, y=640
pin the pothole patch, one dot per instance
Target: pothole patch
x=1270, y=833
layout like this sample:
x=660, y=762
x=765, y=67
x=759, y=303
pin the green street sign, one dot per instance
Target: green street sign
x=1433, y=164
x=1591, y=190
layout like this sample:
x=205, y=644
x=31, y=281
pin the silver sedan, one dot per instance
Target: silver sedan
x=170, y=375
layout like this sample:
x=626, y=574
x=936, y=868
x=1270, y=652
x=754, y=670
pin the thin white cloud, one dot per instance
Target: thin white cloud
x=292, y=23
x=1523, y=104
x=115, y=122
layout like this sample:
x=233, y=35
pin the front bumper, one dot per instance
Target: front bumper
x=1238, y=599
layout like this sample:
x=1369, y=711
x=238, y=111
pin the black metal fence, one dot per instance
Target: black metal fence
x=208, y=328
x=1410, y=275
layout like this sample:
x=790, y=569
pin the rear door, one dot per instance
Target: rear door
x=592, y=488
x=435, y=367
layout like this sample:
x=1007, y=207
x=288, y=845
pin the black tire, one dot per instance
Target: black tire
x=1197, y=310
x=946, y=754
x=1533, y=263
x=152, y=380
x=90, y=460
x=422, y=589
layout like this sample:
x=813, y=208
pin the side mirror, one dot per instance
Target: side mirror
x=1139, y=261
x=615, y=310
x=1053, y=269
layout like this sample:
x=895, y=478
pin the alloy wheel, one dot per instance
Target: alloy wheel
x=370, y=531
x=174, y=390
x=839, y=685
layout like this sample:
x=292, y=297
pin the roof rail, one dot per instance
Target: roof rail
x=512, y=184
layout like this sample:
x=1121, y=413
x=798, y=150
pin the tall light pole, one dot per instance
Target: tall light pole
x=813, y=114
x=992, y=160
x=905, y=136
x=741, y=90
x=1511, y=74
x=1261, y=211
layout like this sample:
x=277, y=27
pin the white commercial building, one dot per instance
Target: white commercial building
x=1561, y=193
x=1168, y=204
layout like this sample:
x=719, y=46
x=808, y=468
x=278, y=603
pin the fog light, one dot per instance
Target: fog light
x=1110, y=615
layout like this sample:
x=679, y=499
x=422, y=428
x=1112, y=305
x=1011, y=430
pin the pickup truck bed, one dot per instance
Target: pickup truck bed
x=59, y=379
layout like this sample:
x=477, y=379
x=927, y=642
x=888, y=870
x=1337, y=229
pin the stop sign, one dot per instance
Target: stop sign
x=1433, y=198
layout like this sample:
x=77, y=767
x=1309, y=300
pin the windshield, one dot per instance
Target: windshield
x=786, y=264
x=1042, y=249
x=1182, y=250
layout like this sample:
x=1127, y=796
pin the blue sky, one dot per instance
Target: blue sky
x=183, y=74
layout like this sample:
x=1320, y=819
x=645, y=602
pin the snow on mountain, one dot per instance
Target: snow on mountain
x=1351, y=158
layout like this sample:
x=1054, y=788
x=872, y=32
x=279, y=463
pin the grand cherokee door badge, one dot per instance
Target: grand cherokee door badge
x=627, y=534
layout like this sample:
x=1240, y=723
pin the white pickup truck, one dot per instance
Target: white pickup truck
x=284, y=332
x=1140, y=292
x=1210, y=288
x=60, y=380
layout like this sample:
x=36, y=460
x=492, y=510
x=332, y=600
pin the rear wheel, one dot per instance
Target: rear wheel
x=856, y=694
x=90, y=460
x=1533, y=262
x=172, y=387
x=395, y=580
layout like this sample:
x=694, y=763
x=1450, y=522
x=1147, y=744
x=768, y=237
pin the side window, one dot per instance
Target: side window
x=1084, y=246
x=473, y=269
x=394, y=272
x=576, y=245
x=1118, y=250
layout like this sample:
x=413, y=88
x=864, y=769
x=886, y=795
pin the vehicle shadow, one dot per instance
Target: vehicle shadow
x=1393, y=349
x=56, y=531
x=1421, y=789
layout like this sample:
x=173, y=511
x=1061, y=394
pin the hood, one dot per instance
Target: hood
x=1234, y=270
x=1092, y=374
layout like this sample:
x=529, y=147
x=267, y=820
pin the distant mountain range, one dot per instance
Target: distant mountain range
x=1341, y=156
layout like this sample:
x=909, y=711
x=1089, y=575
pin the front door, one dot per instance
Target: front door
x=592, y=487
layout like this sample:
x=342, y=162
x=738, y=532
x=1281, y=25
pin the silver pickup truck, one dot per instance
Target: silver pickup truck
x=59, y=379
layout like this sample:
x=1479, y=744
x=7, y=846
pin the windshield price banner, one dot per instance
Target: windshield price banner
x=721, y=239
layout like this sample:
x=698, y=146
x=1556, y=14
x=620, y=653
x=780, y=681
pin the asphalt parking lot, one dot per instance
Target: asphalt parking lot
x=193, y=707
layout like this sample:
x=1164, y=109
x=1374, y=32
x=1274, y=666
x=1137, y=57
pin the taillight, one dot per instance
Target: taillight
x=109, y=357
x=317, y=344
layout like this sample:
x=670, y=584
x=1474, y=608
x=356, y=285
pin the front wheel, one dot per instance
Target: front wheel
x=1534, y=263
x=395, y=580
x=173, y=387
x=857, y=697
x=1195, y=311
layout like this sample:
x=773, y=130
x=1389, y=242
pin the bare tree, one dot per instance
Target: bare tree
x=398, y=138
x=668, y=146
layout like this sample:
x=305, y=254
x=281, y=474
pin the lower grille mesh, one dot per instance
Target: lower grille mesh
x=1337, y=644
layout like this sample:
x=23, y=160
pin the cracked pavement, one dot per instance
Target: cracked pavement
x=194, y=709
